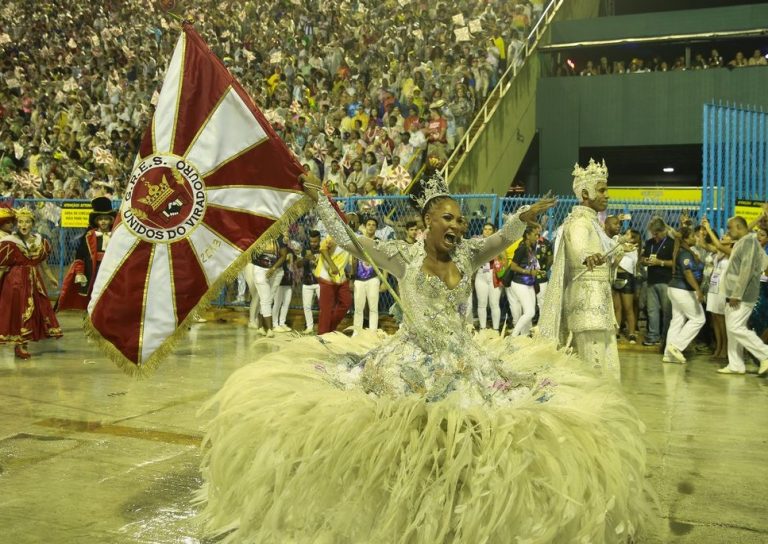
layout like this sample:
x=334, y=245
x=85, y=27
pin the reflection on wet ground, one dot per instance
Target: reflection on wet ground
x=98, y=427
x=89, y=455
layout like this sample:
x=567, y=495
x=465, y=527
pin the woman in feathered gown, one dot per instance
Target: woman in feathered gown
x=432, y=435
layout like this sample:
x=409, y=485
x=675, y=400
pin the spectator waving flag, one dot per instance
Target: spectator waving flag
x=211, y=184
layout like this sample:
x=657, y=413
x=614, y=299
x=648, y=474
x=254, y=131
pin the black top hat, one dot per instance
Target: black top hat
x=101, y=206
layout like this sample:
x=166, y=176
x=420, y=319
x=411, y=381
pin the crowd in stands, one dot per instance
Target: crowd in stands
x=638, y=65
x=363, y=92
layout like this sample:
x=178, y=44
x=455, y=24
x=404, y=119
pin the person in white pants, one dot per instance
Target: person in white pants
x=282, y=301
x=267, y=274
x=284, y=292
x=525, y=267
x=367, y=285
x=488, y=289
x=686, y=296
x=281, y=305
x=254, y=319
x=515, y=308
x=242, y=282
x=310, y=289
x=715, y=297
x=741, y=287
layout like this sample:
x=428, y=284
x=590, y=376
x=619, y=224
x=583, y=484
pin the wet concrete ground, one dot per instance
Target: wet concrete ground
x=89, y=455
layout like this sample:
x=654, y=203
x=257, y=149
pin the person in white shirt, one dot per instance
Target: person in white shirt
x=715, y=297
x=385, y=232
x=335, y=178
x=406, y=151
x=418, y=140
x=357, y=176
x=741, y=287
x=757, y=59
x=367, y=285
x=624, y=287
x=488, y=289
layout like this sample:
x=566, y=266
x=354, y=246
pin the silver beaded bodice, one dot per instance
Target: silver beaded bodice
x=434, y=352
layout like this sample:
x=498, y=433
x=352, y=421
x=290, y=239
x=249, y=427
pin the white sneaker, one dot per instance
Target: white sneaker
x=283, y=328
x=763, y=367
x=270, y=333
x=256, y=329
x=668, y=359
x=676, y=354
x=309, y=330
x=253, y=325
x=726, y=370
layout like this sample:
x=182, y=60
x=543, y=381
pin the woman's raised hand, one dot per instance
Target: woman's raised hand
x=536, y=209
x=311, y=184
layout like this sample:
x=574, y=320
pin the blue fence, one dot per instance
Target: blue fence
x=392, y=212
x=735, y=141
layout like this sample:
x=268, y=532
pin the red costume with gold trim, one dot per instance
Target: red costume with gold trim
x=26, y=313
x=90, y=252
x=76, y=295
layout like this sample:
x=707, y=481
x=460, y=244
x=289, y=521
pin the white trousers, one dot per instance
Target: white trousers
x=540, y=296
x=598, y=349
x=309, y=293
x=741, y=338
x=515, y=308
x=367, y=291
x=281, y=304
x=241, y=284
x=687, y=318
x=248, y=275
x=487, y=295
x=526, y=296
x=266, y=287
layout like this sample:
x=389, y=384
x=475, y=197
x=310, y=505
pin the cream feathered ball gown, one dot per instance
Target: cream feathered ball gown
x=428, y=436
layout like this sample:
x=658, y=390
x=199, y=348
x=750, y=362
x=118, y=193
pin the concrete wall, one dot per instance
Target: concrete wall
x=632, y=109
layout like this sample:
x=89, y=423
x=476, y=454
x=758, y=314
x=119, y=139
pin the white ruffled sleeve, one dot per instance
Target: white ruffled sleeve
x=485, y=249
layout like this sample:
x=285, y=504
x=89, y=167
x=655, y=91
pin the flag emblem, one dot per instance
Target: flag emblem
x=166, y=199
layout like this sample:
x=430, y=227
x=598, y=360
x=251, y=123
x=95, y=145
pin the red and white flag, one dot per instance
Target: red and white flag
x=212, y=182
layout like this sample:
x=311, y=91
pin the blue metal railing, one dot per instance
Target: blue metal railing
x=734, y=165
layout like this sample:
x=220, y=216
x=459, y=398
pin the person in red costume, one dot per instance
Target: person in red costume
x=78, y=283
x=25, y=313
x=7, y=224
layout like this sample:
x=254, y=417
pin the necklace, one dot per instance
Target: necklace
x=661, y=245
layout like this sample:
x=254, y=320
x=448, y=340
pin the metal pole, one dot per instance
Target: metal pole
x=705, y=174
x=62, y=249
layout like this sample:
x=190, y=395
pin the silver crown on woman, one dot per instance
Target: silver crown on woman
x=431, y=188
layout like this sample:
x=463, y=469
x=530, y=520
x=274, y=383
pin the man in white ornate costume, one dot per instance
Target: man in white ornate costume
x=578, y=306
